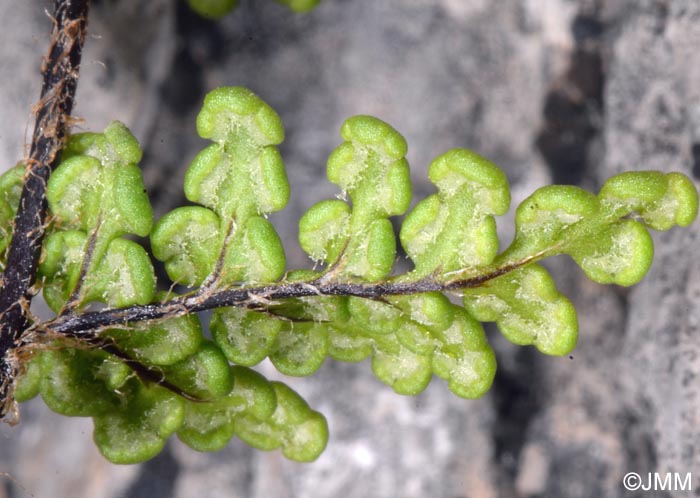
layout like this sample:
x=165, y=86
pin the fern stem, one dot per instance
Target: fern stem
x=60, y=70
x=78, y=324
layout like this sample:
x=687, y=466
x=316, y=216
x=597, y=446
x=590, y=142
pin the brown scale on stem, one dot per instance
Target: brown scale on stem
x=60, y=70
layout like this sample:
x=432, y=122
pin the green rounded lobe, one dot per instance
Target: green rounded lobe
x=99, y=189
x=554, y=208
x=131, y=202
x=206, y=426
x=464, y=357
x=272, y=187
x=136, y=430
x=300, y=348
x=188, y=240
x=527, y=308
x=300, y=432
x=621, y=255
x=28, y=384
x=11, y=183
x=206, y=176
x=213, y=9
x=662, y=200
x=300, y=5
x=74, y=192
x=205, y=374
x=163, y=342
x=348, y=345
x=122, y=144
x=381, y=251
x=245, y=337
x=123, y=277
x=683, y=189
x=368, y=130
x=462, y=168
x=70, y=385
x=262, y=250
x=253, y=393
x=226, y=109
x=546, y=221
x=323, y=230
x=60, y=266
x=635, y=187
x=404, y=371
x=370, y=166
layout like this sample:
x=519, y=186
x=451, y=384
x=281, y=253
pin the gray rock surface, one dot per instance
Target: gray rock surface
x=565, y=90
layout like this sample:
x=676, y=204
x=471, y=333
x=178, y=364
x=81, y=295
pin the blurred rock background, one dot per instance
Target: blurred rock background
x=565, y=91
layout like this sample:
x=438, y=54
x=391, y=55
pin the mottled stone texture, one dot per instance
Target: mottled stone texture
x=565, y=90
